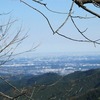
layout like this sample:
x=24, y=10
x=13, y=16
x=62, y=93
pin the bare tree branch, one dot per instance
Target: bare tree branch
x=67, y=18
x=6, y=96
x=86, y=1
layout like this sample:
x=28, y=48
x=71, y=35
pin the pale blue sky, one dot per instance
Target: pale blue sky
x=39, y=31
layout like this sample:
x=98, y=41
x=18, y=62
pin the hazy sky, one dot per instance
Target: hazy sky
x=39, y=31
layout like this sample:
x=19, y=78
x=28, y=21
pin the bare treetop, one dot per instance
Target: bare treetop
x=69, y=16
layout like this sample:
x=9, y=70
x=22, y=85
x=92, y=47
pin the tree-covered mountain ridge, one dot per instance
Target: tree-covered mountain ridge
x=80, y=85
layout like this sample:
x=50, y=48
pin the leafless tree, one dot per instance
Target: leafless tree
x=10, y=40
x=69, y=16
x=9, y=43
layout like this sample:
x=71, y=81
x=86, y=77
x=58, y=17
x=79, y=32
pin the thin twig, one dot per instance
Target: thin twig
x=69, y=14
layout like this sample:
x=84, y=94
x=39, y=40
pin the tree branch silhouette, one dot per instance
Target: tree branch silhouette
x=80, y=3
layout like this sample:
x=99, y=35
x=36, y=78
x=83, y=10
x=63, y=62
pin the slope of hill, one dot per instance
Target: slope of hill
x=51, y=86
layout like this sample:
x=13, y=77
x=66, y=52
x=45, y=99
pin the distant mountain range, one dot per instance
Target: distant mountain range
x=80, y=85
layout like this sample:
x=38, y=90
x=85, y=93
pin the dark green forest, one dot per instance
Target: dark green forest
x=80, y=85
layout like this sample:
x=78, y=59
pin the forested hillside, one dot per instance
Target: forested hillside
x=80, y=85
